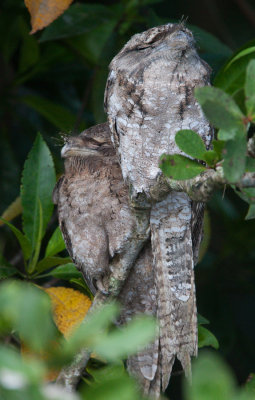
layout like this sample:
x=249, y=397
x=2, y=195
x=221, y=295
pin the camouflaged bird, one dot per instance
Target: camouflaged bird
x=149, y=97
x=97, y=225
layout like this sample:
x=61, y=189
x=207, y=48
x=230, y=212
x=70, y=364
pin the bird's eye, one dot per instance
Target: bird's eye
x=142, y=48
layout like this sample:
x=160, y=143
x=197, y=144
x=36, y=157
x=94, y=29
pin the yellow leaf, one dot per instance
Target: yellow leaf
x=43, y=12
x=69, y=308
x=13, y=210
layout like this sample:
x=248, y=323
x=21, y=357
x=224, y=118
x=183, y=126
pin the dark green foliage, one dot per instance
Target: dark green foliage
x=37, y=183
x=180, y=167
x=190, y=143
x=55, y=80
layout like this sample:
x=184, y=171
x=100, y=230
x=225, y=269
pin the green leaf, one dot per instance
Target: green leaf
x=78, y=19
x=179, y=167
x=38, y=242
x=29, y=51
x=56, y=243
x=211, y=379
x=202, y=320
x=247, y=195
x=219, y=108
x=250, y=164
x=6, y=269
x=50, y=262
x=231, y=77
x=206, y=338
x=38, y=181
x=28, y=310
x=65, y=271
x=23, y=240
x=112, y=383
x=251, y=212
x=91, y=45
x=234, y=158
x=58, y=115
x=211, y=158
x=241, y=54
x=218, y=146
x=190, y=143
x=127, y=340
x=250, y=89
x=250, y=385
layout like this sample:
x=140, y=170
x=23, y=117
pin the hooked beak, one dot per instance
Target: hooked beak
x=71, y=151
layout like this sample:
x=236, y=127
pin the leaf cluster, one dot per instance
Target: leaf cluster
x=233, y=127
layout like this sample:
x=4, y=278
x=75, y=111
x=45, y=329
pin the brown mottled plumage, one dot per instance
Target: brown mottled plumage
x=149, y=97
x=97, y=224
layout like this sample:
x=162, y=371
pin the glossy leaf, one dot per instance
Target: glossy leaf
x=58, y=115
x=219, y=108
x=202, y=320
x=43, y=12
x=23, y=240
x=234, y=154
x=78, y=19
x=206, y=338
x=91, y=45
x=32, y=264
x=65, y=271
x=38, y=181
x=211, y=158
x=50, y=262
x=250, y=89
x=56, y=243
x=179, y=167
x=190, y=143
x=231, y=77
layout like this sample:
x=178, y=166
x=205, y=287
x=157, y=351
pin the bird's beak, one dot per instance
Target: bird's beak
x=72, y=151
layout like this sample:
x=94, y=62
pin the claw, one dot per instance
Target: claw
x=100, y=286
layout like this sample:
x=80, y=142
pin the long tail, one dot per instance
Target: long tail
x=139, y=296
x=171, y=237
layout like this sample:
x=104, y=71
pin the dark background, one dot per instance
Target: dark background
x=70, y=72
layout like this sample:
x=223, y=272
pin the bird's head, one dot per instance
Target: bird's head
x=166, y=40
x=93, y=142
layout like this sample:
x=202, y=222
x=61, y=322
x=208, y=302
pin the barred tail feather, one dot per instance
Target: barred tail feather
x=171, y=231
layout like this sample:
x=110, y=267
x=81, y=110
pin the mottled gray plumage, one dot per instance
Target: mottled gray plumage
x=149, y=97
x=97, y=225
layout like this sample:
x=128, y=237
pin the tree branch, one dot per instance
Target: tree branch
x=199, y=188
